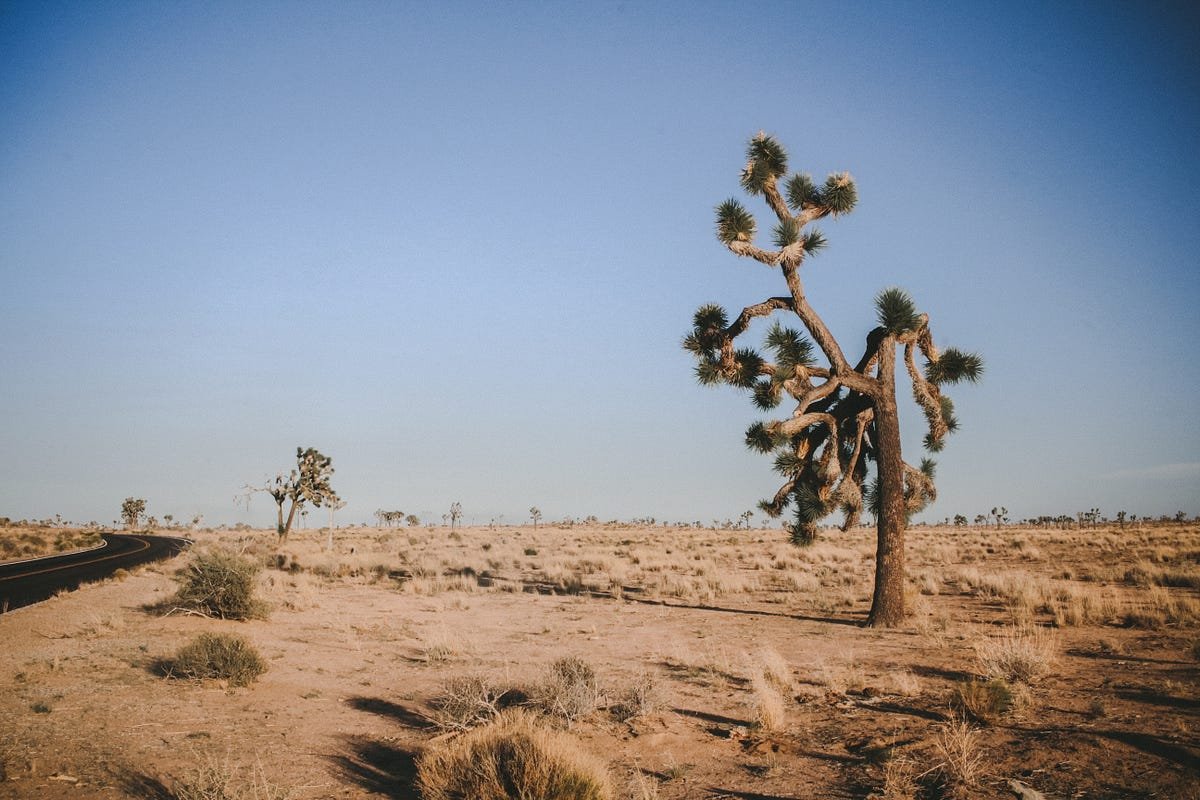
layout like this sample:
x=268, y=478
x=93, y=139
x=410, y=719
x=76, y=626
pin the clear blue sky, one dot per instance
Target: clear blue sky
x=455, y=246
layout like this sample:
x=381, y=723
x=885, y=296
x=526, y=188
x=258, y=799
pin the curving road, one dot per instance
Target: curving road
x=23, y=583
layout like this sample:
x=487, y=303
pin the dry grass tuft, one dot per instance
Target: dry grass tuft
x=767, y=705
x=899, y=780
x=1022, y=654
x=512, y=758
x=776, y=670
x=961, y=766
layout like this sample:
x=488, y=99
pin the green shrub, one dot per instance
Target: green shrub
x=221, y=584
x=217, y=655
x=512, y=758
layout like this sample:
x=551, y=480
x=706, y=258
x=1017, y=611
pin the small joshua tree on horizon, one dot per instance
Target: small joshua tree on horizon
x=535, y=514
x=132, y=510
x=845, y=413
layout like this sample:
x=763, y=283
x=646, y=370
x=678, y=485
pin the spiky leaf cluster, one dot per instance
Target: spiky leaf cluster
x=747, y=366
x=708, y=331
x=839, y=194
x=787, y=233
x=812, y=241
x=791, y=348
x=955, y=366
x=734, y=222
x=896, y=311
x=802, y=193
x=765, y=160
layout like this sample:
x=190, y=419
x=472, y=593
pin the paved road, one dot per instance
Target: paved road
x=26, y=582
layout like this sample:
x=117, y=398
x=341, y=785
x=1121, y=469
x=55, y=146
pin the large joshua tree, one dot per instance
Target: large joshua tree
x=845, y=414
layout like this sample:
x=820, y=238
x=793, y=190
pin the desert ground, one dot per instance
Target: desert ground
x=722, y=664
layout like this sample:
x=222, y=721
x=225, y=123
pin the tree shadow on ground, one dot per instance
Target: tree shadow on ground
x=912, y=711
x=1108, y=656
x=754, y=612
x=408, y=717
x=1157, y=698
x=377, y=767
x=705, y=716
x=145, y=787
x=1184, y=755
x=953, y=675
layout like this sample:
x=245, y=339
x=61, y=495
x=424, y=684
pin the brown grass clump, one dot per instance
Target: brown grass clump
x=776, y=670
x=899, y=780
x=767, y=707
x=217, y=655
x=1022, y=654
x=512, y=758
x=961, y=767
x=984, y=701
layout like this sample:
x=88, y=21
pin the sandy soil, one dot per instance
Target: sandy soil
x=357, y=658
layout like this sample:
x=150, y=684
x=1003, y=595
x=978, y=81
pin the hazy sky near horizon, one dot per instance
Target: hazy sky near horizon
x=455, y=246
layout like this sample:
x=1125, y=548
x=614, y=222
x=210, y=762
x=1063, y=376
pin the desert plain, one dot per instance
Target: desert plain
x=719, y=663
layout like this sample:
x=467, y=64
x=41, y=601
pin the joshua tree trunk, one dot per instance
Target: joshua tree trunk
x=887, y=604
x=285, y=527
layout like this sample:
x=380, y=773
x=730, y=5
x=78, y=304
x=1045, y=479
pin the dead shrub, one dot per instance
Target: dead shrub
x=214, y=779
x=511, y=758
x=221, y=584
x=639, y=699
x=467, y=701
x=225, y=656
x=569, y=691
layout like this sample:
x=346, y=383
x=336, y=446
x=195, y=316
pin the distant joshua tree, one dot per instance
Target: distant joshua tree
x=389, y=519
x=845, y=413
x=455, y=514
x=132, y=510
x=959, y=520
x=1000, y=514
x=535, y=514
x=307, y=483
